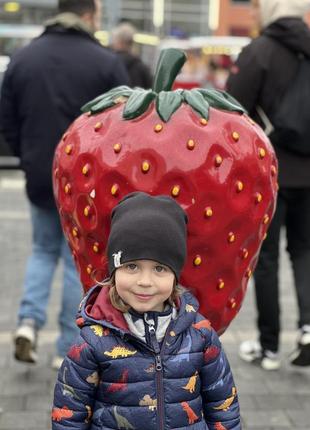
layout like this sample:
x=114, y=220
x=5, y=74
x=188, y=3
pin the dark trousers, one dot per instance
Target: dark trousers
x=293, y=212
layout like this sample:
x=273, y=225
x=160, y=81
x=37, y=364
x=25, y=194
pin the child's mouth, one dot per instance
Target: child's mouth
x=143, y=296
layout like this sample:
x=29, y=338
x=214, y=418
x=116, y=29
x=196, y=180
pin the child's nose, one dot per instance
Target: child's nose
x=145, y=279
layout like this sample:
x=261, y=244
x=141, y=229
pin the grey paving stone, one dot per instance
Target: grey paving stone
x=41, y=402
x=275, y=418
x=13, y=421
x=247, y=401
x=303, y=401
x=250, y=387
x=300, y=418
x=12, y=403
x=269, y=402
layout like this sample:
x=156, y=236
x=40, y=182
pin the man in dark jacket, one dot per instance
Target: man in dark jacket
x=44, y=87
x=122, y=43
x=263, y=71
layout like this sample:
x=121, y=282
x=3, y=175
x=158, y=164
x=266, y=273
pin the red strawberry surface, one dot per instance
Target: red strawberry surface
x=198, y=146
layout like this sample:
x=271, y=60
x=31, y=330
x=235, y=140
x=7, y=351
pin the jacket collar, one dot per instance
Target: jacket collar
x=69, y=21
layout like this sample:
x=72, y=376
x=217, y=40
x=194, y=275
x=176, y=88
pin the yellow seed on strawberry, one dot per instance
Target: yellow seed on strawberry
x=236, y=136
x=145, y=166
x=261, y=153
x=117, y=148
x=197, y=260
x=220, y=284
x=98, y=126
x=175, y=191
x=158, y=128
x=191, y=144
x=208, y=212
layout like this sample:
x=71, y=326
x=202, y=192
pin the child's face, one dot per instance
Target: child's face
x=144, y=285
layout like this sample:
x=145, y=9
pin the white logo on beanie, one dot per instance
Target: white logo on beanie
x=117, y=259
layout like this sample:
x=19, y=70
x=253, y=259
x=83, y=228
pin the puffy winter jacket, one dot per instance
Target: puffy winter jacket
x=112, y=380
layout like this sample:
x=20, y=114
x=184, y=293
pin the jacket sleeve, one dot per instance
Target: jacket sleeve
x=75, y=389
x=246, y=79
x=9, y=120
x=220, y=400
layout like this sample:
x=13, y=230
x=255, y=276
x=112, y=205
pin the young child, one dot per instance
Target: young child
x=145, y=359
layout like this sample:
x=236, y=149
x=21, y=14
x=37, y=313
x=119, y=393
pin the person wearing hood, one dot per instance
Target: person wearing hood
x=259, y=80
x=44, y=87
x=145, y=357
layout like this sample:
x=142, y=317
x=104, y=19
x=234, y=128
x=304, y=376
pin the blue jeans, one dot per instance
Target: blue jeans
x=49, y=246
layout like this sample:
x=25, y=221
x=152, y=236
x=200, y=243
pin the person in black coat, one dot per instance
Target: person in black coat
x=122, y=43
x=258, y=80
x=44, y=87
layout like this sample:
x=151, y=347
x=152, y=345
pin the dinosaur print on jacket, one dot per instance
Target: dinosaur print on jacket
x=122, y=422
x=93, y=378
x=219, y=426
x=192, y=417
x=190, y=308
x=89, y=414
x=191, y=385
x=59, y=414
x=75, y=351
x=202, y=324
x=119, y=351
x=148, y=401
x=67, y=390
x=99, y=330
x=228, y=402
x=121, y=385
x=183, y=354
x=211, y=353
x=150, y=369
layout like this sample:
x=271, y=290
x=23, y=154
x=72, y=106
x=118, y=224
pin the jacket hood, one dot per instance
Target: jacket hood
x=272, y=10
x=96, y=308
x=291, y=32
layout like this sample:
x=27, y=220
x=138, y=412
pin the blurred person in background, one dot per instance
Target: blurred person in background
x=45, y=85
x=122, y=41
x=264, y=71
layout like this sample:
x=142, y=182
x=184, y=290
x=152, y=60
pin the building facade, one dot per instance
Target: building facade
x=162, y=17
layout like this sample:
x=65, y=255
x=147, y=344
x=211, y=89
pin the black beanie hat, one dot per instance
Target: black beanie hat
x=144, y=227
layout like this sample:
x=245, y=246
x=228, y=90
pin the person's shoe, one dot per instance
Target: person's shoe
x=251, y=352
x=270, y=360
x=57, y=362
x=25, y=340
x=301, y=356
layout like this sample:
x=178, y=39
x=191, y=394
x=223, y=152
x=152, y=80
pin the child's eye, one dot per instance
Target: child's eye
x=160, y=269
x=131, y=266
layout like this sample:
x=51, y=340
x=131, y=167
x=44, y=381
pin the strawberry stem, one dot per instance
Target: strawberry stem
x=169, y=64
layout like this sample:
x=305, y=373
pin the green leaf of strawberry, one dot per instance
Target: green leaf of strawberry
x=167, y=102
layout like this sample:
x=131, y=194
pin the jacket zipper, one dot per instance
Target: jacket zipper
x=155, y=349
x=159, y=371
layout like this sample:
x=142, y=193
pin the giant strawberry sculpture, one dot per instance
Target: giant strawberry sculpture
x=198, y=146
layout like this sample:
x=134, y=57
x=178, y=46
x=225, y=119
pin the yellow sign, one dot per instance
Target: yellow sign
x=11, y=7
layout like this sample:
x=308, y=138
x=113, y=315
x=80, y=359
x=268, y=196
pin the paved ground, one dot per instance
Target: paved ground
x=269, y=401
